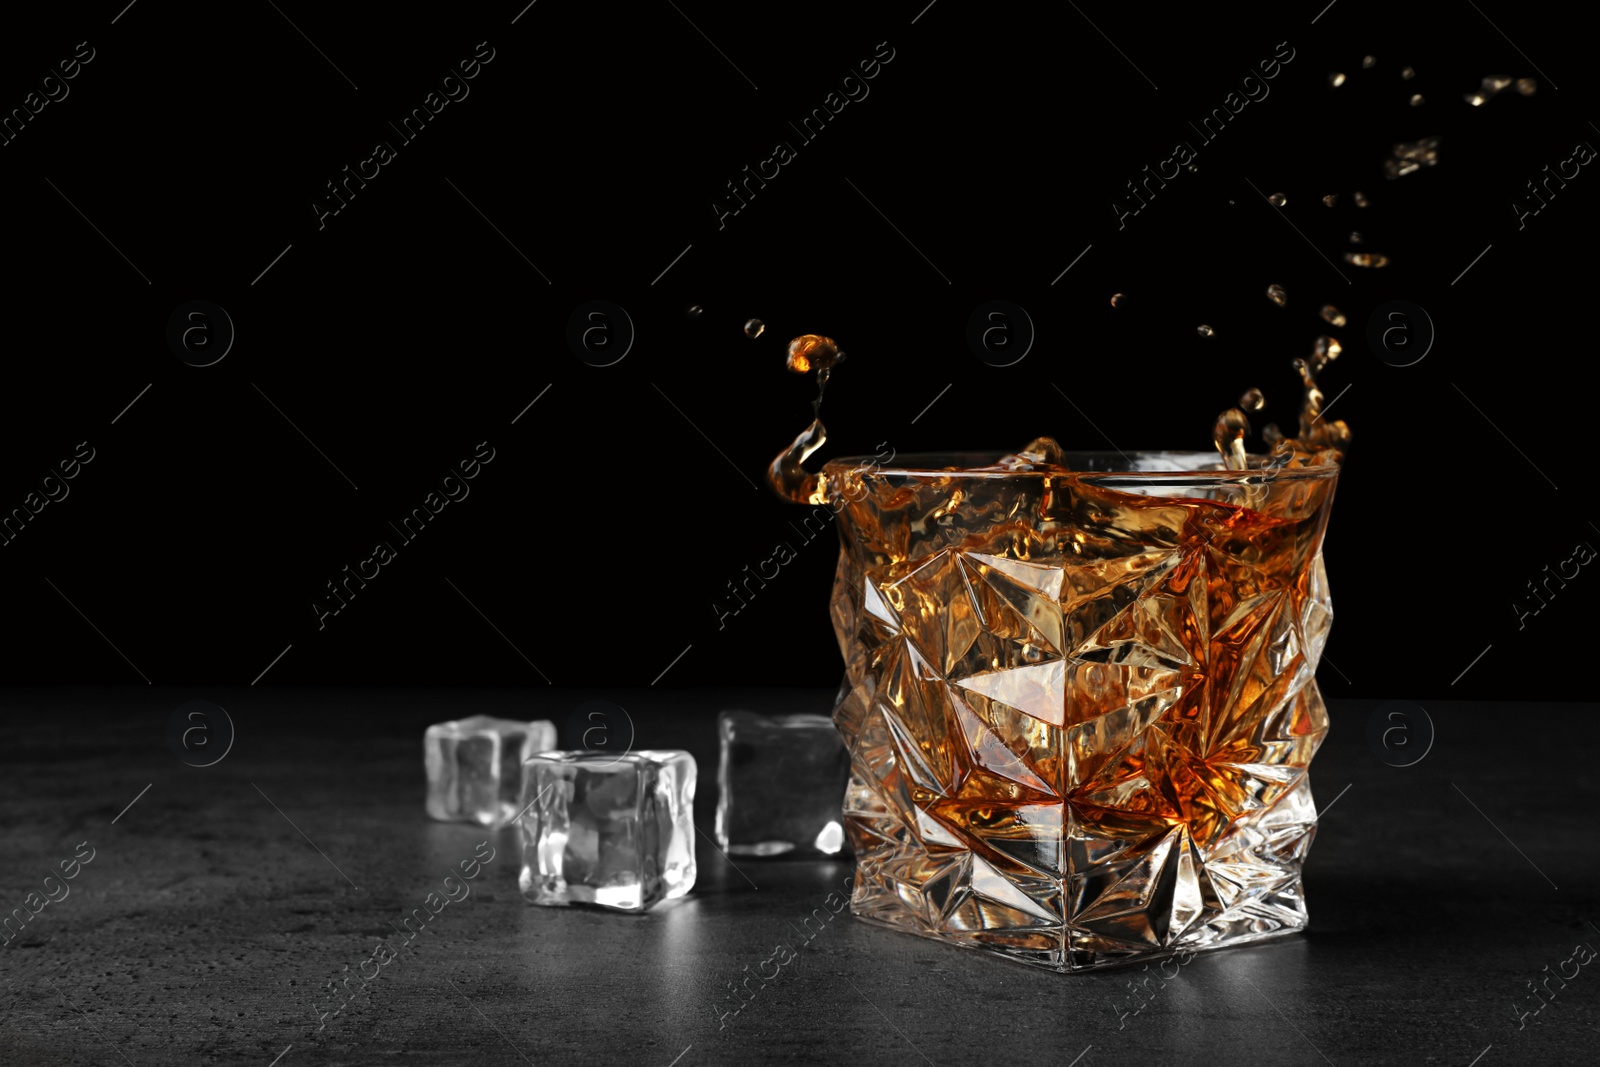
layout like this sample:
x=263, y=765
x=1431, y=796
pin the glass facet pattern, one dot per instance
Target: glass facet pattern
x=1080, y=709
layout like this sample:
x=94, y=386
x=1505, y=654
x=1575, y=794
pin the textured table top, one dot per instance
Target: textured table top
x=219, y=901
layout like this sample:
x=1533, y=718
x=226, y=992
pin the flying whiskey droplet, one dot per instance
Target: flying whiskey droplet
x=1416, y=100
x=1118, y=299
x=1192, y=169
x=1527, y=86
x=1490, y=87
x=1356, y=238
x=1332, y=315
x=1360, y=198
x=754, y=328
x=812, y=350
x=1411, y=156
x=1276, y=294
x=1324, y=350
x=1367, y=63
x=693, y=311
x=1228, y=435
x=1366, y=259
x=1310, y=398
x=1252, y=400
x=1408, y=73
x=1330, y=199
x=1336, y=79
x=1205, y=331
x=1277, y=200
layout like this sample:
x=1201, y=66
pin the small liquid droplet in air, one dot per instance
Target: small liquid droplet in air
x=1360, y=198
x=1277, y=200
x=693, y=311
x=1118, y=299
x=1527, y=86
x=754, y=328
x=1336, y=79
x=1228, y=435
x=1332, y=315
x=1366, y=259
x=1408, y=73
x=1252, y=400
x=1367, y=63
x=1324, y=350
x=1192, y=169
x=1205, y=331
x=1330, y=199
x=1271, y=434
x=813, y=350
x=1411, y=156
x=1356, y=238
x=1490, y=87
x=1276, y=294
x=1311, y=399
x=1416, y=100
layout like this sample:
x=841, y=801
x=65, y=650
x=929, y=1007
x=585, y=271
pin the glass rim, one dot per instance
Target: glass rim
x=1101, y=467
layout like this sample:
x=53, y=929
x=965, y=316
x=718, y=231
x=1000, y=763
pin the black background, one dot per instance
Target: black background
x=407, y=329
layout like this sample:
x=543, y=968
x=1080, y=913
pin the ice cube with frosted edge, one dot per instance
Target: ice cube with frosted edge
x=781, y=781
x=614, y=831
x=474, y=766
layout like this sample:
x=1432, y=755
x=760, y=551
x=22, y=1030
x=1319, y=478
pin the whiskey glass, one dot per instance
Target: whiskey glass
x=1080, y=701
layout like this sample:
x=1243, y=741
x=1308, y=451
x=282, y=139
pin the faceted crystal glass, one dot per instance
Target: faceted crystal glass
x=1080, y=708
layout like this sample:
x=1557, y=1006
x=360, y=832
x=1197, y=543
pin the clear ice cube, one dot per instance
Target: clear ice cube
x=475, y=766
x=617, y=831
x=781, y=782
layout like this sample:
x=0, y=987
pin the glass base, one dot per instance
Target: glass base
x=1079, y=889
x=1286, y=916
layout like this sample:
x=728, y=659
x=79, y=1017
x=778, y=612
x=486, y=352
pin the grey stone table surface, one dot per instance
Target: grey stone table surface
x=218, y=902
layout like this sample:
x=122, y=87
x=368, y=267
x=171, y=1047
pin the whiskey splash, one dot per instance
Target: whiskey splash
x=787, y=474
x=1317, y=444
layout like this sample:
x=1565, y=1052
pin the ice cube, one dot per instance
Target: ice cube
x=781, y=782
x=475, y=766
x=617, y=831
